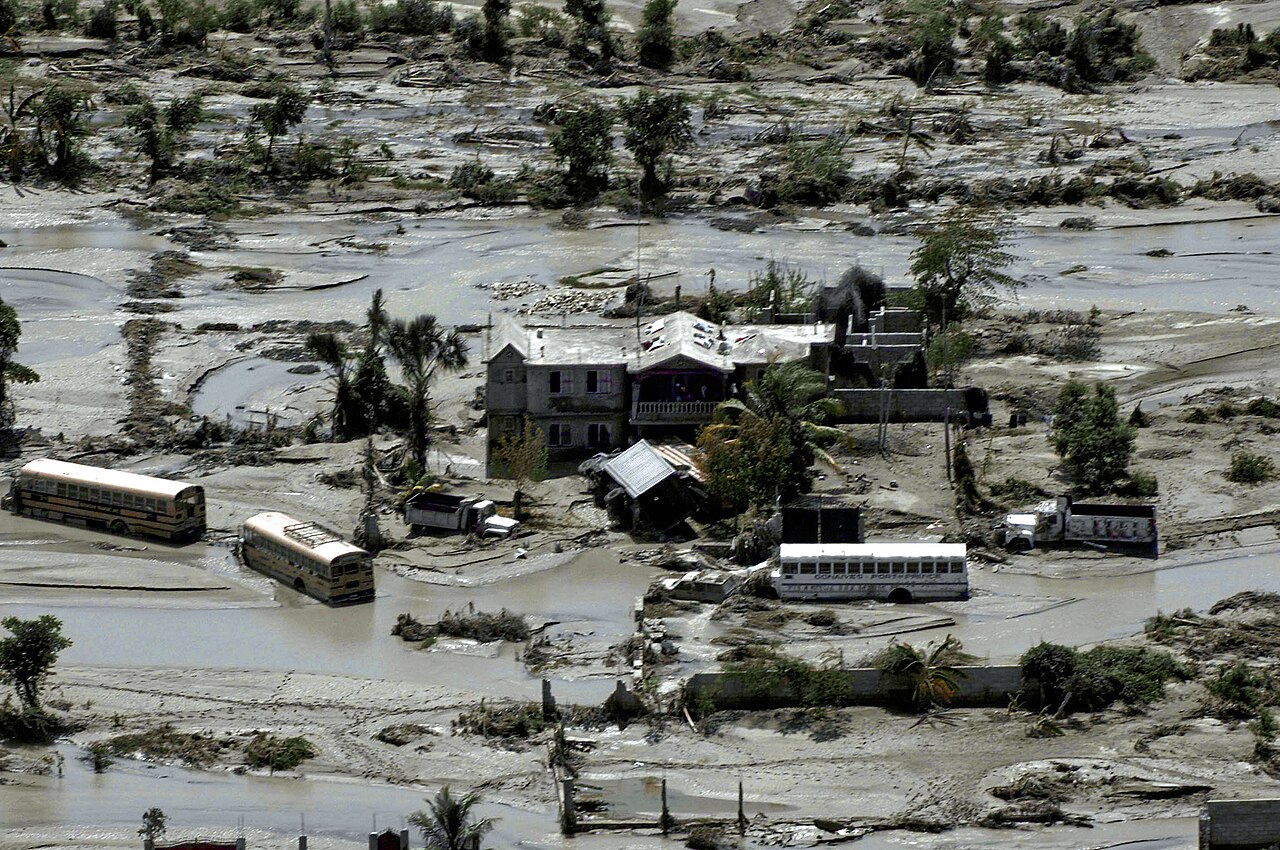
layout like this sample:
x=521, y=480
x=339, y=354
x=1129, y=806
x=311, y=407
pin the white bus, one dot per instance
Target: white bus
x=119, y=502
x=308, y=557
x=896, y=572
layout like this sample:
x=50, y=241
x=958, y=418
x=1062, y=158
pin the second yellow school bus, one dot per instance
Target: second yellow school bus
x=308, y=557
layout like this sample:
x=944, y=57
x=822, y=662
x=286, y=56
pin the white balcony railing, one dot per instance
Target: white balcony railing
x=672, y=411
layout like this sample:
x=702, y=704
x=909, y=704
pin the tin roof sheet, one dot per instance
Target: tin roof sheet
x=639, y=469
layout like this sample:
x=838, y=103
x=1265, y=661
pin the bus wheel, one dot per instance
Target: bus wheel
x=299, y=586
x=119, y=527
x=900, y=596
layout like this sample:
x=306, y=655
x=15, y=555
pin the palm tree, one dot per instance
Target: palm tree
x=447, y=823
x=793, y=392
x=933, y=671
x=327, y=348
x=422, y=347
x=369, y=381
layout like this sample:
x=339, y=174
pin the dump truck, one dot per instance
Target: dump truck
x=1063, y=520
x=474, y=514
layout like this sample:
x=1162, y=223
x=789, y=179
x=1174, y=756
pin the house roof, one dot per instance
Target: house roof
x=639, y=469
x=677, y=335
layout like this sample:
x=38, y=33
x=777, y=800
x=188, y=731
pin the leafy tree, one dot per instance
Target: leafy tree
x=933, y=671
x=27, y=656
x=61, y=119
x=160, y=136
x=1096, y=445
x=154, y=824
x=522, y=458
x=655, y=40
x=1051, y=665
x=749, y=466
x=449, y=822
x=960, y=263
x=654, y=126
x=8, y=17
x=495, y=14
x=422, y=347
x=591, y=25
x=279, y=115
x=11, y=372
x=759, y=449
x=583, y=144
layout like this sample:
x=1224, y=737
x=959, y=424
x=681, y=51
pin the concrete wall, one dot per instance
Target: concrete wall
x=576, y=399
x=1240, y=824
x=984, y=686
x=863, y=405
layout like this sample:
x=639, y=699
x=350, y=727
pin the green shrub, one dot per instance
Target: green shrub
x=1097, y=678
x=1016, y=491
x=1236, y=692
x=1226, y=411
x=1141, y=485
x=1250, y=468
x=275, y=753
x=1263, y=407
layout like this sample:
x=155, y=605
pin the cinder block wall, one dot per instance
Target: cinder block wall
x=904, y=405
x=982, y=686
x=1240, y=824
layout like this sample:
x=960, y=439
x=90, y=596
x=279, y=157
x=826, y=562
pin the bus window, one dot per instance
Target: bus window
x=806, y=569
x=957, y=567
x=898, y=567
x=913, y=568
x=882, y=569
x=117, y=498
x=62, y=489
x=824, y=568
x=788, y=569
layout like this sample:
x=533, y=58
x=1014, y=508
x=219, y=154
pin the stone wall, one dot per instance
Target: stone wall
x=864, y=405
x=1240, y=824
x=981, y=686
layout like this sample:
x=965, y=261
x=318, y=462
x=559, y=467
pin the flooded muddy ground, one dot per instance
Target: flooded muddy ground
x=188, y=636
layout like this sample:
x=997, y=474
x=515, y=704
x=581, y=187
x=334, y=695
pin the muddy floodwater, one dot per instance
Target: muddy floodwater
x=81, y=800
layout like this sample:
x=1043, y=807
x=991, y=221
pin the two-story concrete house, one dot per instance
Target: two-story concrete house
x=594, y=388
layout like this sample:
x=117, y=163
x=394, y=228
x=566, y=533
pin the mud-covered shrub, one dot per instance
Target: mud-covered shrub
x=1093, y=680
x=276, y=753
x=411, y=17
x=1250, y=468
x=518, y=720
x=1264, y=407
x=812, y=173
x=1236, y=693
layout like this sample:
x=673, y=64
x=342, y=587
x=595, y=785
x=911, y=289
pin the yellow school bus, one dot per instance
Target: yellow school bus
x=308, y=557
x=119, y=502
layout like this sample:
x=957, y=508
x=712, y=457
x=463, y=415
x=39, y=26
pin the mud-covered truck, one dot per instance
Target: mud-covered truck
x=473, y=514
x=1064, y=520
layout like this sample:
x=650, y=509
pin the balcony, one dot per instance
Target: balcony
x=672, y=412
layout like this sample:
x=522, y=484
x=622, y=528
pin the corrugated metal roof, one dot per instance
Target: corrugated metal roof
x=679, y=455
x=639, y=469
x=792, y=551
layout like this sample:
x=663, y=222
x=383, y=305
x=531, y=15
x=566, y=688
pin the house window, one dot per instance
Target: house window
x=598, y=434
x=599, y=381
x=509, y=376
x=559, y=434
x=561, y=383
